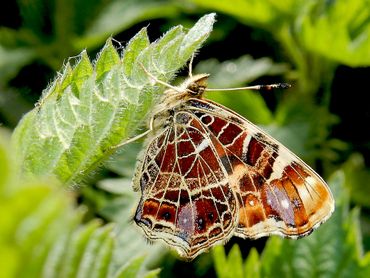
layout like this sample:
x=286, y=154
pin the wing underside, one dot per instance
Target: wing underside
x=186, y=198
x=211, y=174
x=277, y=192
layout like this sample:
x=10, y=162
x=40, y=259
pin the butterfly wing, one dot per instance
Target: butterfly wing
x=277, y=193
x=186, y=198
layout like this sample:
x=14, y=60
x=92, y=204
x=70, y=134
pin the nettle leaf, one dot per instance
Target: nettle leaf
x=120, y=15
x=343, y=25
x=91, y=107
x=41, y=233
x=266, y=13
x=252, y=265
x=133, y=269
x=334, y=250
x=338, y=30
x=232, y=265
x=117, y=207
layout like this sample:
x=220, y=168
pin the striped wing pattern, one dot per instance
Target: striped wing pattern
x=210, y=174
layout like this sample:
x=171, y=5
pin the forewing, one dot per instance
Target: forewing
x=277, y=193
x=186, y=198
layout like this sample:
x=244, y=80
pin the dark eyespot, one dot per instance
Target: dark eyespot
x=166, y=215
x=201, y=223
x=210, y=216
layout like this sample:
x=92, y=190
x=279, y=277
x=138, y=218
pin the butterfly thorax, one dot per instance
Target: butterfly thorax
x=172, y=100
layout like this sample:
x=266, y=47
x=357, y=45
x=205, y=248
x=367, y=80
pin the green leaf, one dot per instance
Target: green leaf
x=108, y=59
x=315, y=35
x=266, y=13
x=235, y=262
x=101, y=246
x=12, y=60
x=33, y=14
x=230, y=266
x=118, y=207
x=132, y=269
x=220, y=262
x=87, y=110
x=75, y=249
x=337, y=30
x=135, y=46
x=121, y=15
x=342, y=25
x=42, y=234
x=6, y=167
x=252, y=265
x=153, y=273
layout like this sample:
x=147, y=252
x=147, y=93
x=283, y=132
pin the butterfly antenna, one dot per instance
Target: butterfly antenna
x=191, y=66
x=156, y=80
x=255, y=87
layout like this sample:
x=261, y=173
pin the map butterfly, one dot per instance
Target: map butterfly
x=207, y=174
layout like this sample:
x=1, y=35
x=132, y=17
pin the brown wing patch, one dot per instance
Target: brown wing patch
x=209, y=174
x=277, y=193
x=186, y=199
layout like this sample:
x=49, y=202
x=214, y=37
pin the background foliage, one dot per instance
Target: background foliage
x=100, y=96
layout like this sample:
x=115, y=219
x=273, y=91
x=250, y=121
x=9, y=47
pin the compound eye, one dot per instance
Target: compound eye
x=195, y=90
x=201, y=90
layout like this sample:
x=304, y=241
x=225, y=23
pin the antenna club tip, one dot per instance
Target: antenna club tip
x=284, y=85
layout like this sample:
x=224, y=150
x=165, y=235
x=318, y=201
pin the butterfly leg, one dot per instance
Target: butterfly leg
x=156, y=80
x=137, y=137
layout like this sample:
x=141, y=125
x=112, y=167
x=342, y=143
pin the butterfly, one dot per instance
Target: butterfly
x=208, y=174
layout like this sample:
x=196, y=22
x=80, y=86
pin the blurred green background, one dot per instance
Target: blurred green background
x=321, y=47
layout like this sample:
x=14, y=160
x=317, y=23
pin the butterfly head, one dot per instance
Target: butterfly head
x=196, y=85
